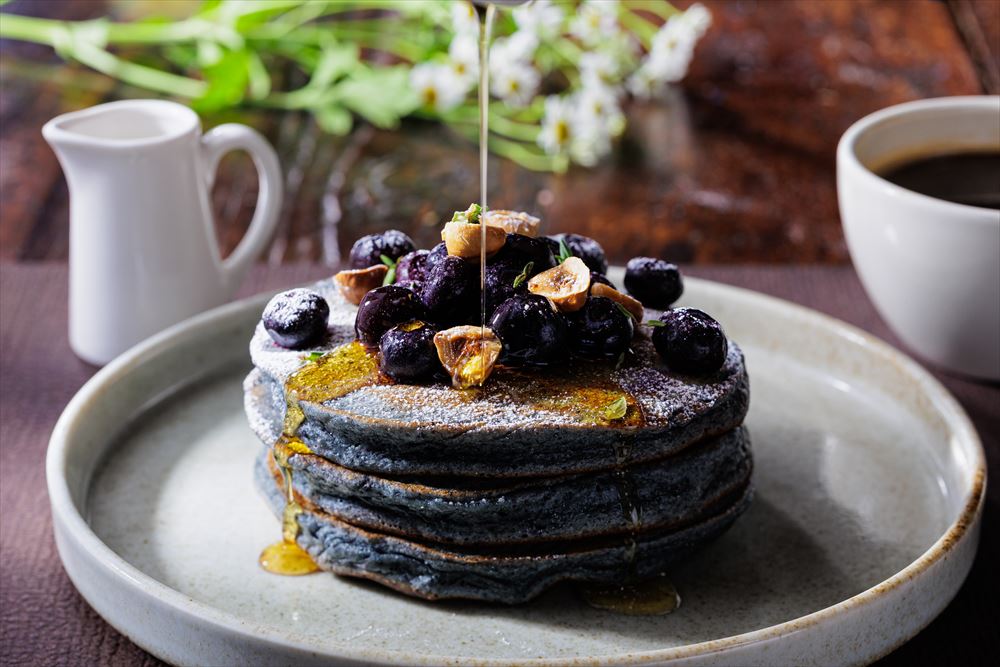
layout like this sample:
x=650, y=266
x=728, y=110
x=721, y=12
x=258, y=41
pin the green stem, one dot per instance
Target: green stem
x=642, y=28
x=523, y=155
x=656, y=7
x=138, y=75
x=29, y=29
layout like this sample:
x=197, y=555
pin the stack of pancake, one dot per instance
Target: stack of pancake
x=498, y=492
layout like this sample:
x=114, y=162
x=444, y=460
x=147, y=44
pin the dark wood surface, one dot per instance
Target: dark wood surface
x=44, y=621
x=734, y=165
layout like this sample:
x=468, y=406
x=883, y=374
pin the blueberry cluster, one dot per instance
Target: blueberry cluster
x=431, y=290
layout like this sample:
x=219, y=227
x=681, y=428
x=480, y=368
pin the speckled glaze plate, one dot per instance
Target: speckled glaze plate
x=870, y=486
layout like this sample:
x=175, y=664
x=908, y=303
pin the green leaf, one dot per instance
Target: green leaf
x=564, y=251
x=335, y=61
x=390, y=276
x=471, y=215
x=312, y=356
x=227, y=82
x=524, y=275
x=616, y=409
x=334, y=119
x=382, y=95
x=388, y=261
x=624, y=310
x=656, y=323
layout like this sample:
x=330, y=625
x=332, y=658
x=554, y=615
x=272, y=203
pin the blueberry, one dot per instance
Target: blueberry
x=690, y=342
x=407, y=353
x=451, y=292
x=584, y=247
x=436, y=254
x=297, y=318
x=383, y=308
x=600, y=330
x=600, y=278
x=532, y=332
x=412, y=269
x=368, y=250
x=500, y=279
x=509, y=266
x=519, y=250
x=656, y=283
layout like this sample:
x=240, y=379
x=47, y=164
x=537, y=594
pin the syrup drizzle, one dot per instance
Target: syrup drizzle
x=339, y=372
x=654, y=596
x=485, y=30
x=286, y=557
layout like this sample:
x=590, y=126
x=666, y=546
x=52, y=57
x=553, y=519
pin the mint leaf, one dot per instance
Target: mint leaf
x=312, y=356
x=388, y=261
x=471, y=215
x=523, y=276
x=390, y=276
x=624, y=310
x=656, y=323
x=564, y=251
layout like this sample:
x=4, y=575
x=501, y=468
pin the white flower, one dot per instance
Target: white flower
x=541, y=17
x=563, y=133
x=597, y=108
x=463, y=57
x=642, y=83
x=598, y=69
x=515, y=82
x=519, y=46
x=698, y=17
x=438, y=86
x=464, y=19
x=670, y=53
x=595, y=21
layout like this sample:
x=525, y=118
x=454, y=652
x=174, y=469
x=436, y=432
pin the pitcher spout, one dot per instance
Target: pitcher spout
x=116, y=126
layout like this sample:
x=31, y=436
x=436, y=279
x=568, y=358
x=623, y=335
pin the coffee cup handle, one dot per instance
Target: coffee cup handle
x=233, y=137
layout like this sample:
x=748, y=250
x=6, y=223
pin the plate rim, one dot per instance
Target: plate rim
x=66, y=516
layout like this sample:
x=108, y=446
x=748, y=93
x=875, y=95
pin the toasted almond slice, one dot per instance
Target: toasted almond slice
x=353, y=285
x=566, y=285
x=513, y=222
x=463, y=239
x=628, y=303
x=466, y=355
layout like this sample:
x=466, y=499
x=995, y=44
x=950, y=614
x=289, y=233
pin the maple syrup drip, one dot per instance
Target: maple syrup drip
x=340, y=371
x=650, y=597
x=287, y=557
x=631, y=510
x=582, y=394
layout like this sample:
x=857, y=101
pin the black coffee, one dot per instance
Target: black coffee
x=964, y=178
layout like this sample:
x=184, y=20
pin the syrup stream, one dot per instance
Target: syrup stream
x=485, y=30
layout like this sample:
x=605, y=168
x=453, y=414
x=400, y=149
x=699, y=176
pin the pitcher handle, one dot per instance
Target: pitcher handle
x=232, y=137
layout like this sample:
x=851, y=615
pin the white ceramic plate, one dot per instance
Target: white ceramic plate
x=870, y=486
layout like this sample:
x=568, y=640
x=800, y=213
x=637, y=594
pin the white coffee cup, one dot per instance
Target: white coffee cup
x=931, y=267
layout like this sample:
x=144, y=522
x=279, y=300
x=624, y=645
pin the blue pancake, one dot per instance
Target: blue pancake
x=508, y=576
x=499, y=492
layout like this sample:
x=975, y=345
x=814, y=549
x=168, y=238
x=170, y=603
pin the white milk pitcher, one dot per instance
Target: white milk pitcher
x=143, y=252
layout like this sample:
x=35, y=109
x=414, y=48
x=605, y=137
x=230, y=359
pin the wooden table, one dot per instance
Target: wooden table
x=735, y=166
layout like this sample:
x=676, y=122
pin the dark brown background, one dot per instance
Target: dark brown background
x=735, y=167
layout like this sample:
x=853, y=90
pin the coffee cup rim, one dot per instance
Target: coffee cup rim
x=847, y=157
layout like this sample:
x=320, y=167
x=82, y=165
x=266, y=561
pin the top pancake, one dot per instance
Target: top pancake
x=525, y=422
